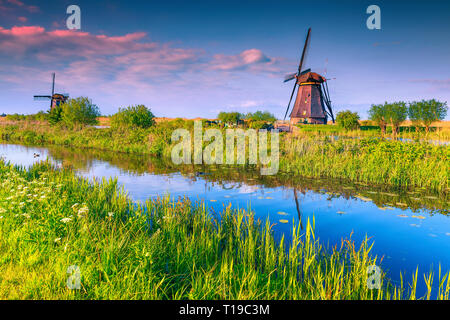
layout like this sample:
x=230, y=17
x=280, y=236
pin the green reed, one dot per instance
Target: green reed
x=51, y=219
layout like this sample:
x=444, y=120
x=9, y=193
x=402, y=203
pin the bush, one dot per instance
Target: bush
x=259, y=125
x=427, y=112
x=133, y=116
x=230, y=117
x=79, y=111
x=348, y=120
x=260, y=116
x=55, y=115
x=40, y=116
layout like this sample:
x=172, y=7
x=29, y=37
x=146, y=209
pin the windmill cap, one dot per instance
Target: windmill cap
x=311, y=77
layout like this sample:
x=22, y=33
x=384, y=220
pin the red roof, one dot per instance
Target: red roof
x=311, y=77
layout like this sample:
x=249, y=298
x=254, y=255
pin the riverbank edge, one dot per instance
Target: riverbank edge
x=149, y=145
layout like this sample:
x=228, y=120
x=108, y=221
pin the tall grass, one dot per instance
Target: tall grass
x=384, y=162
x=439, y=133
x=162, y=249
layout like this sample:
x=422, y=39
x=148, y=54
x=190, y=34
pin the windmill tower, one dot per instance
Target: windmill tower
x=56, y=99
x=312, y=104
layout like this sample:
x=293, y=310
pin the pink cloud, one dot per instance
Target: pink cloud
x=251, y=59
x=120, y=68
x=22, y=19
x=128, y=52
x=22, y=31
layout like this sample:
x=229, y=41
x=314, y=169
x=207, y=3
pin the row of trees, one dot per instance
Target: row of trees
x=236, y=117
x=421, y=113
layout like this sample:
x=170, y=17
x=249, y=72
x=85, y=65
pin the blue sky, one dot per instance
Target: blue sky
x=195, y=58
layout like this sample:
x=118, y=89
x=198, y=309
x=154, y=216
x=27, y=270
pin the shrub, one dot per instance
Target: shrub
x=40, y=116
x=427, y=112
x=260, y=116
x=259, y=125
x=55, y=115
x=133, y=116
x=230, y=117
x=348, y=120
x=79, y=111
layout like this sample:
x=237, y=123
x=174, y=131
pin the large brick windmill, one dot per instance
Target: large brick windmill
x=312, y=104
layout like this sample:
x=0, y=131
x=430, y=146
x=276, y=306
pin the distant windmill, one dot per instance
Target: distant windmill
x=56, y=99
x=313, y=104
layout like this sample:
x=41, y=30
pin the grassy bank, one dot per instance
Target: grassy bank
x=440, y=132
x=367, y=160
x=51, y=220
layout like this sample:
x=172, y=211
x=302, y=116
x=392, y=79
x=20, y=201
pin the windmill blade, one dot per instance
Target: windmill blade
x=326, y=94
x=290, y=100
x=289, y=77
x=304, y=51
x=324, y=99
x=305, y=71
x=53, y=84
x=41, y=98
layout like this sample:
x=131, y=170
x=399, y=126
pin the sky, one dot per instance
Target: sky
x=194, y=58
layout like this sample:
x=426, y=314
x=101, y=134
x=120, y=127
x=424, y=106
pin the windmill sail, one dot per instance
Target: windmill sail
x=41, y=98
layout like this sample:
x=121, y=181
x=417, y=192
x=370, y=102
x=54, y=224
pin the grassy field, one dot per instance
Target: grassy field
x=51, y=221
x=367, y=160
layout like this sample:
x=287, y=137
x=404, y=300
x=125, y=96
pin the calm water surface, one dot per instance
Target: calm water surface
x=408, y=230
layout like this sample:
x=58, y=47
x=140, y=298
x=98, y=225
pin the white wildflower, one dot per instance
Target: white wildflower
x=75, y=206
x=65, y=220
x=83, y=211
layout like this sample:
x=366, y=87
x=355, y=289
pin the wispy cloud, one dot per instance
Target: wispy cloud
x=13, y=5
x=435, y=84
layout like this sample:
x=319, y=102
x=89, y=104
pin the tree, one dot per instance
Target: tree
x=396, y=113
x=427, y=112
x=79, y=111
x=55, y=115
x=377, y=113
x=133, y=116
x=230, y=117
x=348, y=120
